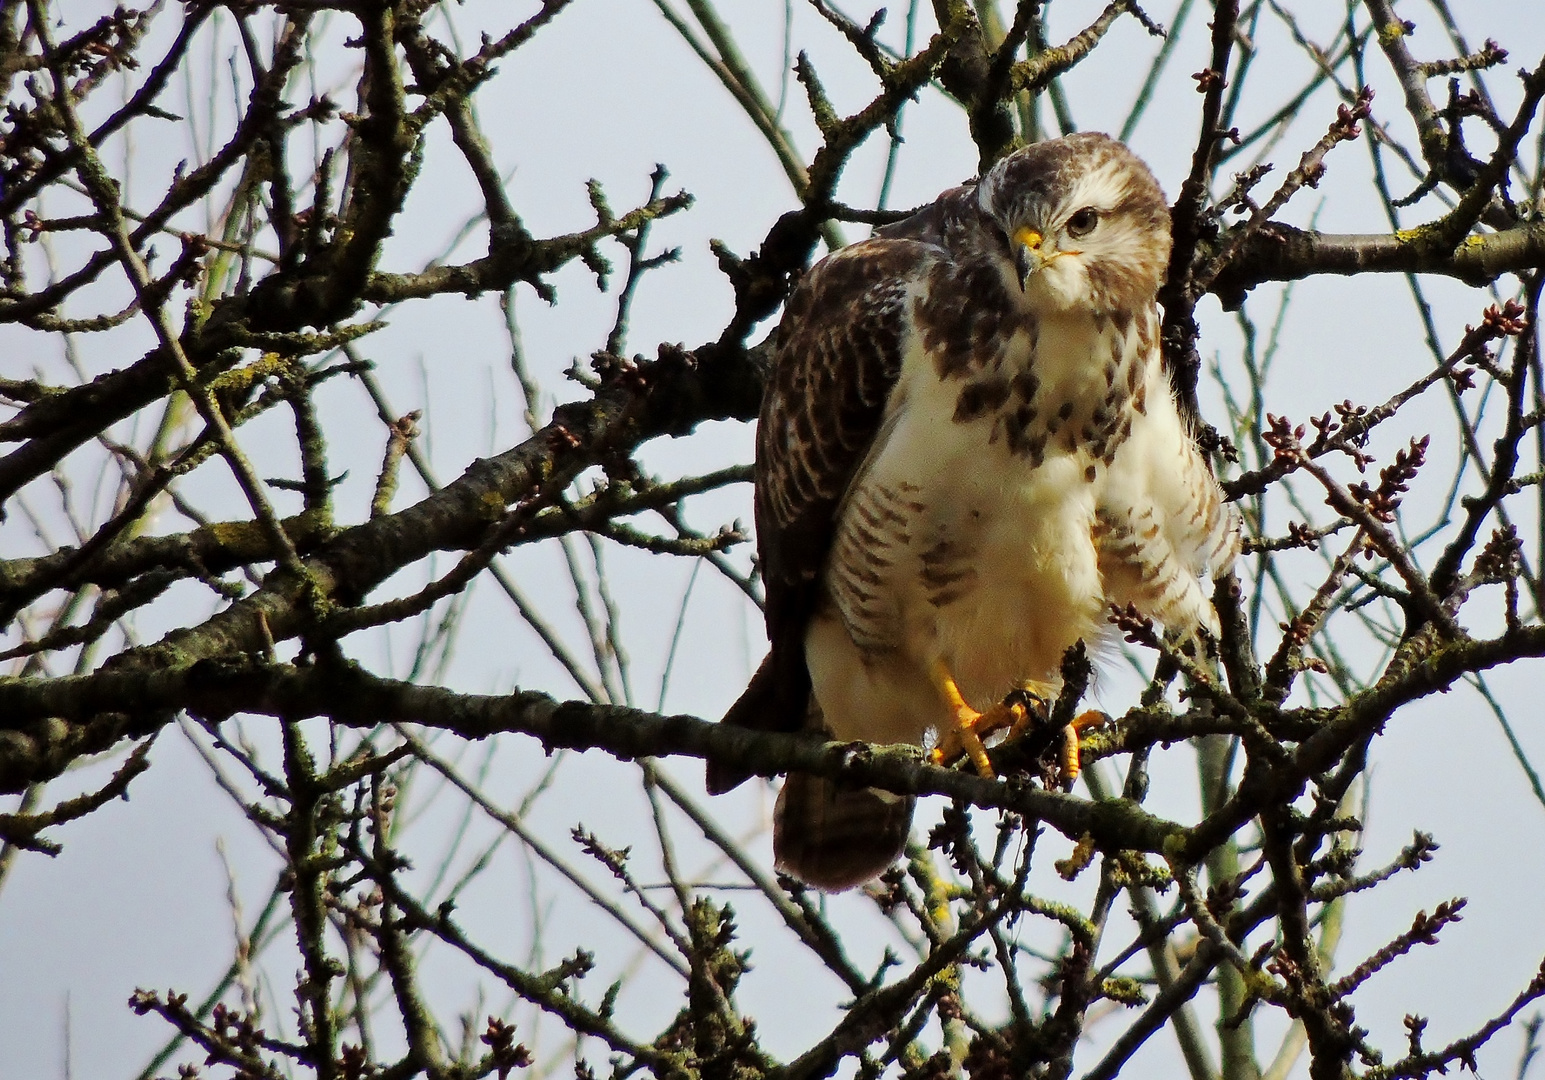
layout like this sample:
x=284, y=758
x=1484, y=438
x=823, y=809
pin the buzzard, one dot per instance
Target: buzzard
x=968, y=450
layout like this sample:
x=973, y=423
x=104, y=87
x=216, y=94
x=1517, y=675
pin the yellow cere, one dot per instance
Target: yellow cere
x=1028, y=237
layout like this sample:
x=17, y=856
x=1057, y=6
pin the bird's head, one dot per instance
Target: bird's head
x=1083, y=222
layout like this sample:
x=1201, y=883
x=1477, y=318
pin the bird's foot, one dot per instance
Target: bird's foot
x=1067, y=754
x=965, y=736
x=1015, y=714
x=971, y=727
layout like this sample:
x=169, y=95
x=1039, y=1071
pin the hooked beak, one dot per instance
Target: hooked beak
x=1027, y=254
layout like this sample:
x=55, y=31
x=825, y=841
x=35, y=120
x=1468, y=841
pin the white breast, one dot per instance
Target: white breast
x=1004, y=542
x=953, y=548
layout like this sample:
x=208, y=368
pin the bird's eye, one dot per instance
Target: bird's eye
x=1082, y=223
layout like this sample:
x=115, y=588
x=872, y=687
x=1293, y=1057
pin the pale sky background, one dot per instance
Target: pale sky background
x=139, y=896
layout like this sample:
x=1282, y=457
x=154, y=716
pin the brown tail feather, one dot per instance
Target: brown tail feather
x=836, y=837
x=775, y=700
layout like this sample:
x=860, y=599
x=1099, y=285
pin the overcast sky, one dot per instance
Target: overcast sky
x=139, y=896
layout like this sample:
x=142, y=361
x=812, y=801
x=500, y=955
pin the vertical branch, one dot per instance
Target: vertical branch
x=310, y=842
x=1178, y=296
x=424, y=1049
x=1236, y=1030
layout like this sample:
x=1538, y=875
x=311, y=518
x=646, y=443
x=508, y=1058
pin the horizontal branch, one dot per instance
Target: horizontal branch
x=64, y=709
x=514, y=256
x=1283, y=253
x=206, y=551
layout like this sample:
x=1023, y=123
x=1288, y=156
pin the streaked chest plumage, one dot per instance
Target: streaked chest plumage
x=1010, y=451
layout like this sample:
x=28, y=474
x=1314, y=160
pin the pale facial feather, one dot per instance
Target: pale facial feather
x=1117, y=265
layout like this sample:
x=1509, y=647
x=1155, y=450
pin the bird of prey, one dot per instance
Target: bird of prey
x=968, y=450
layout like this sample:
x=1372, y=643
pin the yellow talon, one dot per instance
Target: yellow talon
x=1014, y=713
x=971, y=726
x=1067, y=757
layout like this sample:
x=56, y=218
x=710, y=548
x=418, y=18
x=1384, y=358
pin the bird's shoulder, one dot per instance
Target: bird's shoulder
x=850, y=313
x=846, y=330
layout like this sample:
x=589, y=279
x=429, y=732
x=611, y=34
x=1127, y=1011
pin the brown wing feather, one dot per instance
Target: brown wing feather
x=838, y=357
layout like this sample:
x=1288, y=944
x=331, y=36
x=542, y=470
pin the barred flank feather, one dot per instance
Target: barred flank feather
x=835, y=837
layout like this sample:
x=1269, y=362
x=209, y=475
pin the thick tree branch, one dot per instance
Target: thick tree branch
x=42, y=718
